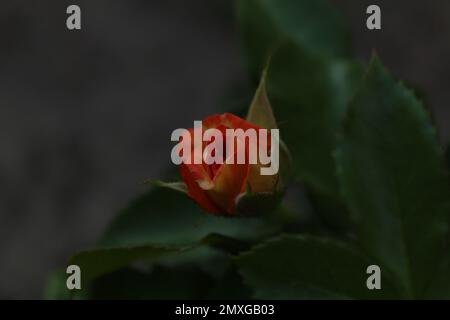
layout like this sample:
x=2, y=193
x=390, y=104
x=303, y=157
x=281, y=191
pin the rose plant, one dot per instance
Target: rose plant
x=364, y=183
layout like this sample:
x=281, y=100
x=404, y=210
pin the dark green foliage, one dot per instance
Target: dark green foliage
x=266, y=24
x=299, y=267
x=372, y=171
x=394, y=179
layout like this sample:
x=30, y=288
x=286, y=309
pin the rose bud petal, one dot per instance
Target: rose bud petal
x=216, y=187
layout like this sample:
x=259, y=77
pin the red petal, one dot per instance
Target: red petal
x=229, y=182
x=195, y=191
x=214, y=121
x=235, y=122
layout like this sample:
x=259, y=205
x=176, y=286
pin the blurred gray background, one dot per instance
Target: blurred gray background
x=86, y=116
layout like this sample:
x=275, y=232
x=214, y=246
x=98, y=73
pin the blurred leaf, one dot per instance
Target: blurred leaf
x=169, y=282
x=333, y=215
x=163, y=217
x=56, y=288
x=97, y=262
x=189, y=274
x=313, y=24
x=299, y=267
x=163, y=223
x=439, y=287
x=393, y=175
x=160, y=283
x=212, y=261
x=217, y=264
x=447, y=156
x=230, y=286
x=309, y=96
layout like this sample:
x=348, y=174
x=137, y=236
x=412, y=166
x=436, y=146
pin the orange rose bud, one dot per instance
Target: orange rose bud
x=215, y=187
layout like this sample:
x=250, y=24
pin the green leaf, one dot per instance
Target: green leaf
x=188, y=280
x=160, y=283
x=439, y=287
x=447, y=156
x=55, y=288
x=313, y=24
x=164, y=223
x=97, y=262
x=298, y=267
x=166, y=218
x=149, y=273
x=309, y=96
x=230, y=286
x=393, y=175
